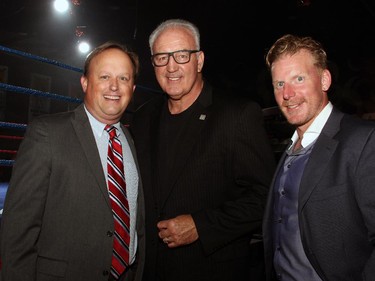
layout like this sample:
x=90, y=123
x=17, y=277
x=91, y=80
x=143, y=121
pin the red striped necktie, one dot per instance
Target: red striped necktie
x=119, y=202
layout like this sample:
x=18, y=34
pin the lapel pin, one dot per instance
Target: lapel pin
x=202, y=117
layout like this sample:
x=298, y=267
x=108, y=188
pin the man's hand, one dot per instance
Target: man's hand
x=178, y=231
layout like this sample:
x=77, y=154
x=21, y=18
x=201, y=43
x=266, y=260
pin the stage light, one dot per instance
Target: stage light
x=61, y=5
x=83, y=47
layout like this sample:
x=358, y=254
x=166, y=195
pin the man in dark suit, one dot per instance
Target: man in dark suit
x=206, y=165
x=320, y=217
x=57, y=222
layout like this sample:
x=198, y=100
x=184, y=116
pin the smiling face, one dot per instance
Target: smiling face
x=300, y=88
x=108, y=85
x=179, y=81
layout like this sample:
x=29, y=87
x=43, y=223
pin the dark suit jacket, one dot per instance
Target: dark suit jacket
x=336, y=204
x=221, y=178
x=57, y=216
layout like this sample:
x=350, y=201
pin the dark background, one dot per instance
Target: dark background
x=235, y=34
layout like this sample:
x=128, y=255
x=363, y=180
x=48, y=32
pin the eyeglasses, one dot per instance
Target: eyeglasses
x=181, y=57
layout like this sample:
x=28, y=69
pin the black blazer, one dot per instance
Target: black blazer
x=336, y=203
x=57, y=210
x=221, y=178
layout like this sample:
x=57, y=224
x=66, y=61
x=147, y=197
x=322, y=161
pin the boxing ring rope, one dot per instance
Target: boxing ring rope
x=12, y=125
x=22, y=90
x=7, y=125
x=28, y=91
x=38, y=58
x=53, y=62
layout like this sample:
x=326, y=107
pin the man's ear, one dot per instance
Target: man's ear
x=326, y=80
x=200, y=61
x=84, y=83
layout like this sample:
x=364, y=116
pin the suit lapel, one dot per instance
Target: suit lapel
x=87, y=141
x=322, y=152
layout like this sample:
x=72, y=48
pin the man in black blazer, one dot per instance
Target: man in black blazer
x=320, y=217
x=57, y=222
x=206, y=165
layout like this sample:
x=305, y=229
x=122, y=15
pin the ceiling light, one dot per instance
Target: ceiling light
x=61, y=5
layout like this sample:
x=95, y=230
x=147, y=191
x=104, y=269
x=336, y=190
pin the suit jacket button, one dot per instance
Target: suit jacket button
x=105, y=272
x=109, y=233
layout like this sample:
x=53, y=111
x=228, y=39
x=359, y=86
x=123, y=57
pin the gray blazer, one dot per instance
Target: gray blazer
x=57, y=219
x=336, y=204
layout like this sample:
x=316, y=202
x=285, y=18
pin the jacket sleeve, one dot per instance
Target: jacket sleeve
x=24, y=205
x=364, y=193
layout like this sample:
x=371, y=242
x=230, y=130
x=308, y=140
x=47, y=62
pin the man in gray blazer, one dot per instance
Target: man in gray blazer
x=320, y=217
x=57, y=222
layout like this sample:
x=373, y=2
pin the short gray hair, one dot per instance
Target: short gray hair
x=175, y=23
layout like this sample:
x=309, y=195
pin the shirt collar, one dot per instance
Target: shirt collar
x=98, y=127
x=313, y=132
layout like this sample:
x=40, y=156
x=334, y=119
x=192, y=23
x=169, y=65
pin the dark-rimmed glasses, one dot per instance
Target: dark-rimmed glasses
x=180, y=56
